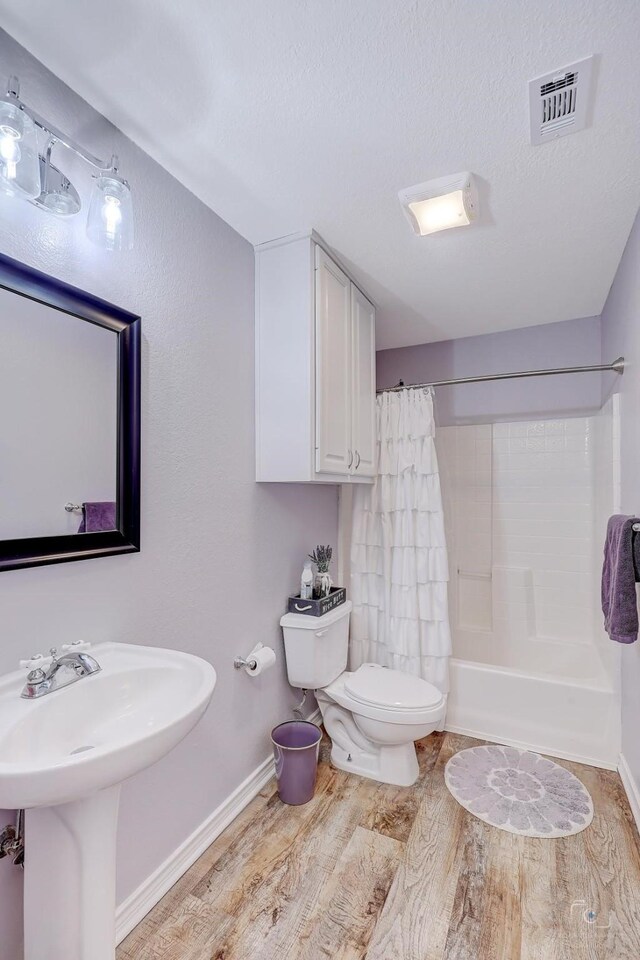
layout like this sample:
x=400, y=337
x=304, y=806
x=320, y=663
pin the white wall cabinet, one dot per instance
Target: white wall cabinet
x=315, y=367
x=333, y=361
x=363, y=381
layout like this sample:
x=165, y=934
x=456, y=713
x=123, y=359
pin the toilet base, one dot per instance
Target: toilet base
x=397, y=764
x=379, y=749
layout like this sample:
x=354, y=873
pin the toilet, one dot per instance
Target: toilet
x=374, y=714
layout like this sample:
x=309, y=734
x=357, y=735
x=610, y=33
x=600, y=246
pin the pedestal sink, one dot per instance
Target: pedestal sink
x=63, y=758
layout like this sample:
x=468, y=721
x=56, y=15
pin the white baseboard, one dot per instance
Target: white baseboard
x=632, y=788
x=138, y=904
x=535, y=747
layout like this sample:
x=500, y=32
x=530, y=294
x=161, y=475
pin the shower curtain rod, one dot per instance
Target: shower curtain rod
x=617, y=366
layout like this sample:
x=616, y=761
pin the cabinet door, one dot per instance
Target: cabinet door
x=363, y=352
x=333, y=367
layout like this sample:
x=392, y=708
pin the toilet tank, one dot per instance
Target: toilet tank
x=316, y=648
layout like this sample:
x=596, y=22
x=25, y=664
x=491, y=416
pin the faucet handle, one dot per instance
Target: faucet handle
x=40, y=660
x=37, y=660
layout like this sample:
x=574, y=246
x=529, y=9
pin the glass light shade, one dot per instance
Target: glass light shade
x=450, y=201
x=58, y=193
x=110, y=219
x=62, y=204
x=440, y=213
x=19, y=161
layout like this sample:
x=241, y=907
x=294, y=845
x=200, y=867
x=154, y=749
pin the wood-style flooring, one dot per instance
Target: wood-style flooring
x=367, y=870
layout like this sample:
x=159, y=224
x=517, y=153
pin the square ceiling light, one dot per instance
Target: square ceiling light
x=441, y=204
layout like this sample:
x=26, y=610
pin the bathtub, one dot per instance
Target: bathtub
x=555, y=698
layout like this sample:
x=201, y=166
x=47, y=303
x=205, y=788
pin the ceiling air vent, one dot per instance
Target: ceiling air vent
x=559, y=101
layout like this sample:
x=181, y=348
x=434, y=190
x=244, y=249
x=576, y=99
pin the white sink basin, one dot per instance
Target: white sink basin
x=63, y=757
x=101, y=729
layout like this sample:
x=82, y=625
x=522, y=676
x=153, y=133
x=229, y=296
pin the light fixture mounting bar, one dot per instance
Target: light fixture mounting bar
x=56, y=135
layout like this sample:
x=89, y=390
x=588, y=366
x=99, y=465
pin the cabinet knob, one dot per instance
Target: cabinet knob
x=358, y=460
x=350, y=452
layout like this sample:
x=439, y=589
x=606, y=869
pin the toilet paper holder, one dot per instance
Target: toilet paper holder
x=254, y=662
x=249, y=661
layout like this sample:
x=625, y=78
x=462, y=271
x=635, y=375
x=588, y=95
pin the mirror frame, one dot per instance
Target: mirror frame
x=36, y=551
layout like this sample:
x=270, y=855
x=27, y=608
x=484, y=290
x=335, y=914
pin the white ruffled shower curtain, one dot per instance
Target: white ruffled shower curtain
x=399, y=570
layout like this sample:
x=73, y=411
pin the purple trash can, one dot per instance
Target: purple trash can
x=296, y=745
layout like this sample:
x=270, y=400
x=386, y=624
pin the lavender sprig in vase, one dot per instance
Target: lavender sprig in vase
x=321, y=556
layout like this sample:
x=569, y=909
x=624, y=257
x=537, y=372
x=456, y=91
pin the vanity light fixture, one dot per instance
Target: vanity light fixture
x=110, y=219
x=19, y=163
x=28, y=173
x=441, y=204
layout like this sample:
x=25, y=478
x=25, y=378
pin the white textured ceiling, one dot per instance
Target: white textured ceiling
x=289, y=114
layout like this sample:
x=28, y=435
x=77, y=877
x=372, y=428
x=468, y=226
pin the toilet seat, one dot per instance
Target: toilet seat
x=381, y=693
x=384, y=687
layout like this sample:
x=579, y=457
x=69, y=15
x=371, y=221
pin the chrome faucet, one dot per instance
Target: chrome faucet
x=60, y=671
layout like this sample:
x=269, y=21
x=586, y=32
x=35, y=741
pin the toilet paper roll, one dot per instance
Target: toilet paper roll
x=264, y=658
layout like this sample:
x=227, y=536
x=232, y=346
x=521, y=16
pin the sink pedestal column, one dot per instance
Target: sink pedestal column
x=70, y=879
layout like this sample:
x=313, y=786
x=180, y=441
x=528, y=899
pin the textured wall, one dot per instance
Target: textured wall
x=570, y=343
x=219, y=552
x=621, y=333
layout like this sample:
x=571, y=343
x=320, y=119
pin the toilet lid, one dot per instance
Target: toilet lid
x=384, y=687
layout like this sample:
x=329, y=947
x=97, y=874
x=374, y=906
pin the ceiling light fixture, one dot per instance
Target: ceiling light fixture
x=441, y=204
x=29, y=174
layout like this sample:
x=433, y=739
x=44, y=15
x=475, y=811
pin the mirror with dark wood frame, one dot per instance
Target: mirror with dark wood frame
x=69, y=422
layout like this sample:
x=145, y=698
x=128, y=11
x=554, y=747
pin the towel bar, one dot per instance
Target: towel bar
x=73, y=507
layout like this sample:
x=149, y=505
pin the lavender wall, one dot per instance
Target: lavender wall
x=219, y=552
x=621, y=334
x=571, y=343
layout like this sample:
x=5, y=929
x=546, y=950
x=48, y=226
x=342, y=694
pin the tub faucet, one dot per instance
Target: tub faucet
x=60, y=671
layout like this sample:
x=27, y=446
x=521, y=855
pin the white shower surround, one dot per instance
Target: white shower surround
x=525, y=512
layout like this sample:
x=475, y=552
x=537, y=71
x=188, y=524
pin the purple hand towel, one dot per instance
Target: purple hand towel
x=619, y=575
x=98, y=517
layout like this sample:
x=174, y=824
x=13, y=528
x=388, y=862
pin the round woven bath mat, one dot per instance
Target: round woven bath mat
x=519, y=791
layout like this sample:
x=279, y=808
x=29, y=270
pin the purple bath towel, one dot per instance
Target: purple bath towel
x=98, y=517
x=620, y=572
